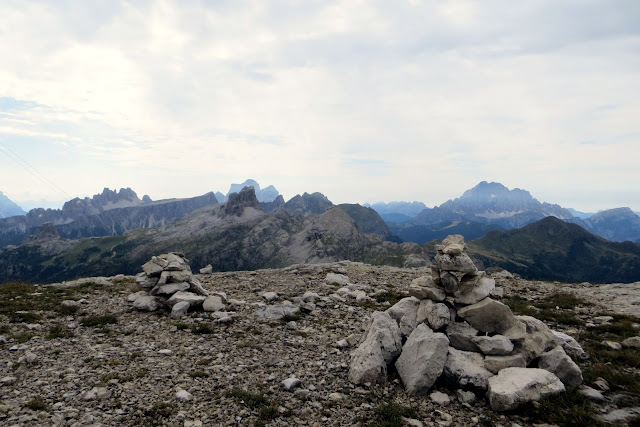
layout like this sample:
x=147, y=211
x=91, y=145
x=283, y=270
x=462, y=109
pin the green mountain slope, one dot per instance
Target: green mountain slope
x=552, y=249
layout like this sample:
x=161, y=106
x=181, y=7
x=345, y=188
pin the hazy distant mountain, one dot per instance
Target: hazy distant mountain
x=552, y=249
x=236, y=235
x=8, y=207
x=264, y=195
x=409, y=209
x=578, y=214
x=105, y=214
x=425, y=233
x=617, y=225
x=368, y=221
x=492, y=203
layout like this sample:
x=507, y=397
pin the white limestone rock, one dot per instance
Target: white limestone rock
x=213, y=303
x=336, y=279
x=570, y=345
x=538, y=339
x=470, y=293
x=557, y=362
x=461, y=263
x=147, y=303
x=497, y=345
x=405, y=313
x=386, y=332
x=180, y=309
x=514, y=386
x=270, y=296
x=170, y=288
x=193, y=299
x=367, y=364
x=466, y=369
x=422, y=359
x=495, y=364
x=276, y=312
x=440, y=398
x=489, y=315
x=425, y=288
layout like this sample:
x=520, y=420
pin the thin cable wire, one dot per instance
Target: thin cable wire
x=32, y=170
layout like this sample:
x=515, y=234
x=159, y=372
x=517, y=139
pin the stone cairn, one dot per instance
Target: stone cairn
x=167, y=281
x=451, y=327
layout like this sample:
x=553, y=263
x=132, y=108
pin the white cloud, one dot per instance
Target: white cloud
x=359, y=100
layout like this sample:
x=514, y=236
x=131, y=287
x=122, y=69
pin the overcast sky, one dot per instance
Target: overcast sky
x=363, y=101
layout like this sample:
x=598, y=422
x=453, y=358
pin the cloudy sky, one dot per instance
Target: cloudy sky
x=363, y=101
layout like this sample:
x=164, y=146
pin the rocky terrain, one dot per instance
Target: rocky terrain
x=276, y=350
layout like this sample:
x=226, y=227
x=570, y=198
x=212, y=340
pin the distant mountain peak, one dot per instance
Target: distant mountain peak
x=488, y=191
x=264, y=195
x=8, y=207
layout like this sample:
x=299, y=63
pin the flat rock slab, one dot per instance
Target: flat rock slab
x=557, y=362
x=466, y=369
x=193, y=299
x=514, y=386
x=497, y=345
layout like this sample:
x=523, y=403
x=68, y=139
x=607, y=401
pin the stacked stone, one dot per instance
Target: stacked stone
x=452, y=327
x=167, y=281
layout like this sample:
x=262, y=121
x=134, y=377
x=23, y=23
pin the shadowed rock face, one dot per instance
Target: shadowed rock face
x=8, y=207
x=238, y=201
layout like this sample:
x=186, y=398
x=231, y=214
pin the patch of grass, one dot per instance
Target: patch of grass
x=160, y=410
x=22, y=337
x=4, y=329
x=567, y=409
x=246, y=344
x=67, y=310
x=97, y=321
x=142, y=373
x=389, y=414
x=390, y=295
x=36, y=404
x=182, y=326
x=202, y=329
x=252, y=400
x=545, y=309
x=198, y=374
x=267, y=413
x=58, y=331
x=291, y=317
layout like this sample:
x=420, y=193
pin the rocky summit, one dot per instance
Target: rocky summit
x=452, y=346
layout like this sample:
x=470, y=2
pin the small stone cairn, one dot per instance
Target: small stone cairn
x=167, y=281
x=451, y=327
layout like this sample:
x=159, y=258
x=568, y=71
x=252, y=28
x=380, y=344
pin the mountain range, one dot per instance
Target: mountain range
x=264, y=195
x=8, y=207
x=236, y=235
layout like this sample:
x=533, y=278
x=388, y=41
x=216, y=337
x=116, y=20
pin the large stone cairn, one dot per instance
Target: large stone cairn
x=167, y=281
x=451, y=327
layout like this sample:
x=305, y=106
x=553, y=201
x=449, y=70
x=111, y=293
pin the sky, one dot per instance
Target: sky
x=363, y=101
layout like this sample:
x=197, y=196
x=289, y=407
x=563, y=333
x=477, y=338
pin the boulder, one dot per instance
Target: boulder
x=179, y=309
x=558, y=363
x=336, y=279
x=631, y=342
x=422, y=359
x=570, y=345
x=425, y=288
x=470, y=293
x=405, y=313
x=495, y=364
x=147, y=303
x=169, y=288
x=453, y=239
x=385, y=331
x=437, y=315
x=461, y=263
x=461, y=336
x=276, y=312
x=193, y=299
x=449, y=282
x=514, y=386
x=466, y=369
x=368, y=364
x=154, y=267
x=489, y=316
x=213, y=303
x=538, y=339
x=207, y=270
x=497, y=345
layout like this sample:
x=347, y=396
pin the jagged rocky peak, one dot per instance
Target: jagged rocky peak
x=107, y=200
x=617, y=213
x=264, y=195
x=46, y=231
x=489, y=191
x=8, y=207
x=306, y=204
x=237, y=202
